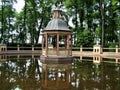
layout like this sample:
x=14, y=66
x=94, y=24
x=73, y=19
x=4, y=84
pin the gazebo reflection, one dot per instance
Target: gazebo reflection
x=56, y=76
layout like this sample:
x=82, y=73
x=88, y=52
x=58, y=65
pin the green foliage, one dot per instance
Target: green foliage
x=84, y=38
x=6, y=20
x=86, y=16
x=106, y=20
x=112, y=45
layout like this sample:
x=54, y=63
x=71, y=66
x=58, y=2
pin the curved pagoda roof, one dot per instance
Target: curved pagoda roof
x=57, y=23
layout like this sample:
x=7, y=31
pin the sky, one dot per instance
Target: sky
x=18, y=6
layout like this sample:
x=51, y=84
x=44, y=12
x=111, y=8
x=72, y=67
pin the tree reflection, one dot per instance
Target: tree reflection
x=29, y=73
x=21, y=74
x=103, y=76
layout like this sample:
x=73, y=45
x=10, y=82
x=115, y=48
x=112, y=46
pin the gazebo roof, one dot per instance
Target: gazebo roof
x=57, y=24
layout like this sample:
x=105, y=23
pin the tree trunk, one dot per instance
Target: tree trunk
x=1, y=38
x=39, y=29
x=102, y=6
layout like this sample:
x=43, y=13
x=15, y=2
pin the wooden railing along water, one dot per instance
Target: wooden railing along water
x=33, y=49
x=113, y=53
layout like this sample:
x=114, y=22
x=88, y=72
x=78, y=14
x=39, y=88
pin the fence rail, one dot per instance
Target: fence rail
x=24, y=48
x=81, y=49
x=86, y=49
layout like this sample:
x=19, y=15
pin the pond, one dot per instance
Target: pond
x=28, y=73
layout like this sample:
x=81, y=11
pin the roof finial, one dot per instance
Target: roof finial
x=57, y=3
x=57, y=11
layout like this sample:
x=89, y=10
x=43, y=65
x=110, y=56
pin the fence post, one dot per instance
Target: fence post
x=116, y=48
x=18, y=48
x=81, y=48
x=32, y=47
x=98, y=49
x=5, y=48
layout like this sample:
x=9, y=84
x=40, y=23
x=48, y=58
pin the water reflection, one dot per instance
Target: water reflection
x=28, y=73
x=97, y=73
x=56, y=76
x=22, y=74
x=97, y=59
x=3, y=58
x=100, y=59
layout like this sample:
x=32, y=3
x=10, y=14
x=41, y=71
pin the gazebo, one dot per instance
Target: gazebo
x=56, y=40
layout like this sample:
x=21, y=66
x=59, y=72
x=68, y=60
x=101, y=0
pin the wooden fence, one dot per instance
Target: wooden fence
x=81, y=49
x=90, y=49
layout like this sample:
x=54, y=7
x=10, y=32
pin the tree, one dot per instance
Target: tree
x=7, y=16
x=102, y=11
x=98, y=17
x=81, y=11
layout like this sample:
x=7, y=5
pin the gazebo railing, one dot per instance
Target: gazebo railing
x=51, y=51
x=65, y=52
x=61, y=52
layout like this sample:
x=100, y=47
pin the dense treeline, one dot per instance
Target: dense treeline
x=92, y=20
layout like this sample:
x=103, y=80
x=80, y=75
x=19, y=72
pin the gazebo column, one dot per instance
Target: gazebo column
x=65, y=42
x=68, y=44
x=57, y=44
x=42, y=44
x=42, y=41
x=46, y=44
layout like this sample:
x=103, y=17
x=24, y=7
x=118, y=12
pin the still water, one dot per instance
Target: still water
x=28, y=73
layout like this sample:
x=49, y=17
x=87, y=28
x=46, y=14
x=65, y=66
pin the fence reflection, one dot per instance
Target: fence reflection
x=100, y=59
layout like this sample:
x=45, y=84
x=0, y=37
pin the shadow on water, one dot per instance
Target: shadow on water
x=87, y=73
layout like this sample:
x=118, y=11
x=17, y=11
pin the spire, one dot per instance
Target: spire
x=57, y=11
